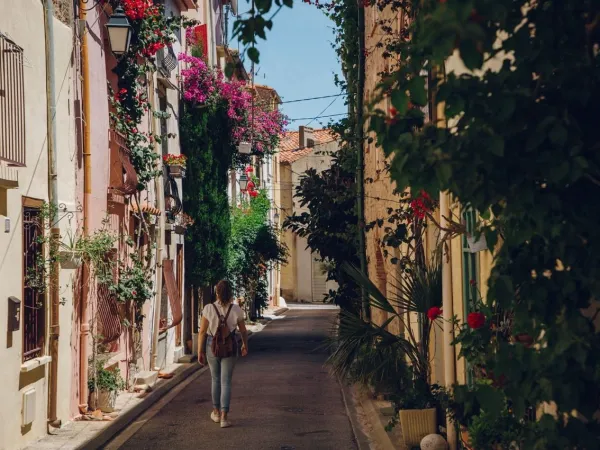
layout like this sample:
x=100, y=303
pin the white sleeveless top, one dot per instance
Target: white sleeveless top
x=235, y=316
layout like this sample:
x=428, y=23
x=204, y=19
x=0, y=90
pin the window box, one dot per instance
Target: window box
x=177, y=171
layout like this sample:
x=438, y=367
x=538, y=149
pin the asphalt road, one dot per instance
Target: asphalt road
x=283, y=398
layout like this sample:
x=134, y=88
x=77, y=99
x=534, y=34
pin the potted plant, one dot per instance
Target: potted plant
x=417, y=412
x=104, y=386
x=175, y=164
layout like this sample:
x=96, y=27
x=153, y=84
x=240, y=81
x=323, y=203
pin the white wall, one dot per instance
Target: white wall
x=23, y=21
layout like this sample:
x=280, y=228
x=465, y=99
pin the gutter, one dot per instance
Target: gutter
x=84, y=326
x=53, y=200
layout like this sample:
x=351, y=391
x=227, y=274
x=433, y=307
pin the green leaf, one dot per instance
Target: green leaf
x=418, y=94
x=229, y=70
x=472, y=57
x=253, y=54
x=400, y=100
x=496, y=146
x=558, y=135
x=288, y=3
x=491, y=400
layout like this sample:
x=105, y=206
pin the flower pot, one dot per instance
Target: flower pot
x=70, y=259
x=416, y=424
x=176, y=171
x=105, y=401
x=179, y=229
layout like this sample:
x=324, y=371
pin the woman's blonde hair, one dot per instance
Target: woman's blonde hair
x=223, y=291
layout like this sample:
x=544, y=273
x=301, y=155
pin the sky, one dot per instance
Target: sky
x=297, y=60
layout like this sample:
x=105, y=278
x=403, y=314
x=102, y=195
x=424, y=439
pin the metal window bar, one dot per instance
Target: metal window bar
x=166, y=60
x=34, y=324
x=12, y=103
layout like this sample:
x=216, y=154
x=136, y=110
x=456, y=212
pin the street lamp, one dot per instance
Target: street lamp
x=243, y=183
x=119, y=32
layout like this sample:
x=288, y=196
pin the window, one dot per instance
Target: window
x=34, y=308
x=12, y=103
x=164, y=129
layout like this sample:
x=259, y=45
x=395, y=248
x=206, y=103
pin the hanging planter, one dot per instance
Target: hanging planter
x=175, y=165
x=70, y=259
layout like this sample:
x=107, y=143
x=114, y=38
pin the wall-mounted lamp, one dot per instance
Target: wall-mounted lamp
x=243, y=182
x=119, y=32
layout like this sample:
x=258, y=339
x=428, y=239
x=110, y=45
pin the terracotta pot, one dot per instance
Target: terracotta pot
x=465, y=438
x=416, y=424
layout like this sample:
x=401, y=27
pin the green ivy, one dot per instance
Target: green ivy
x=205, y=140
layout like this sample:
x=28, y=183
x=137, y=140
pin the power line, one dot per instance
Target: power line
x=317, y=117
x=311, y=98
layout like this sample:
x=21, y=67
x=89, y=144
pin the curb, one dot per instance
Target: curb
x=123, y=421
x=379, y=434
x=362, y=442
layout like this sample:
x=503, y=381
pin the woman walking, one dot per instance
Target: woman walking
x=220, y=320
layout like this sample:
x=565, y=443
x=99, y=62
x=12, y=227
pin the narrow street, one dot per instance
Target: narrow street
x=283, y=397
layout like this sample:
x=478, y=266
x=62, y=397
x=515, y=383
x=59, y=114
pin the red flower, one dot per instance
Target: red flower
x=250, y=186
x=253, y=194
x=393, y=111
x=476, y=320
x=134, y=293
x=249, y=169
x=472, y=282
x=434, y=312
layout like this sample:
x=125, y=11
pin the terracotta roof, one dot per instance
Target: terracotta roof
x=289, y=150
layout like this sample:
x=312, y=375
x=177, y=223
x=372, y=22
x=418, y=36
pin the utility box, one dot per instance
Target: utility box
x=28, y=407
x=14, y=314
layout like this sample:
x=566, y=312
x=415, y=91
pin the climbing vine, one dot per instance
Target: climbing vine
x=152, y=31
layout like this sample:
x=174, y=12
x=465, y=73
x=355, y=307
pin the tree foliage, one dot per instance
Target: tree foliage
x=522, y=151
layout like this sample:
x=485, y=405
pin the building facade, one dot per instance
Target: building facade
x=303, y=278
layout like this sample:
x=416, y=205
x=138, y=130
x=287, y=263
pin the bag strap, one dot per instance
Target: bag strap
x=228, y=311
x=222, y=320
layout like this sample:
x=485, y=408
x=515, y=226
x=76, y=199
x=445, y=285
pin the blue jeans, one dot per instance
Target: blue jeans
x=221, y=371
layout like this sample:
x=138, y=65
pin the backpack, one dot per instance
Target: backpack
x=223, y=340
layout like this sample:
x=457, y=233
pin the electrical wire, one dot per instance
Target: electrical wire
x=311, y=98
x=317, y=117
x=96, y=3
x=320, y=114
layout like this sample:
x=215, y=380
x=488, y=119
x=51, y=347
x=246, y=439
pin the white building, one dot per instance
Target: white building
x=303, y=278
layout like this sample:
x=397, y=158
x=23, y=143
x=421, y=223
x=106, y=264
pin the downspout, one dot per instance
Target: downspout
x=360, y=161
x=84, y=326
x=160, y=203
x=53, y=200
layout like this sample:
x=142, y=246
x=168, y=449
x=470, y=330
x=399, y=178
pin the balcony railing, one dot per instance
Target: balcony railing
x=12, y=103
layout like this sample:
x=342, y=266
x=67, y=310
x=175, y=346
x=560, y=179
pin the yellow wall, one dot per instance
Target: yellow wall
x=289, y=285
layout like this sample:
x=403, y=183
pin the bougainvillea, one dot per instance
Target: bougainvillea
x=249, y=122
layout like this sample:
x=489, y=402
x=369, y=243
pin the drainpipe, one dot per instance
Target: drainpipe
x=53, y=199
x=84, y=326
x=160, y=200
x=448, y=311
x=360, y=162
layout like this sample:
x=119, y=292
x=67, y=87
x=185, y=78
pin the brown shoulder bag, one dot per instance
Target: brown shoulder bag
x=223, y=340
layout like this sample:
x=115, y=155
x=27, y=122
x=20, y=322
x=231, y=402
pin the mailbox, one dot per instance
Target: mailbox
x=14, y=314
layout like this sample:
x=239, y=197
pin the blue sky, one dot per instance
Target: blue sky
x=297, y=60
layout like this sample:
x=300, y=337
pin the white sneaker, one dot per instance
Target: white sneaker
x=225, y=423
x=215, y=417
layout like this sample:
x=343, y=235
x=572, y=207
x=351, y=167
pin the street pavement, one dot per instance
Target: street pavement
x=283, y=398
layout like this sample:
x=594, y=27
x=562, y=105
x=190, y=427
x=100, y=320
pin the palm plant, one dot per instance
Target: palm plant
x=369, y=353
